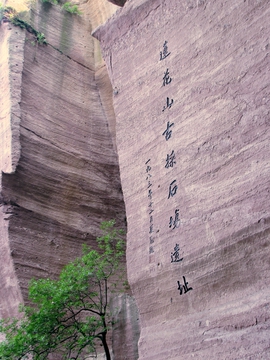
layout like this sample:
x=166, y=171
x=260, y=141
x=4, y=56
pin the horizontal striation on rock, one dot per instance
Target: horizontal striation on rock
x=11, y=64
x=66, y=179
x=10, y=71
x=60, y=172
x=191, y=86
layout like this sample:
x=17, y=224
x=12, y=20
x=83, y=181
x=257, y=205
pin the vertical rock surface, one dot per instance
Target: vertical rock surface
x=60, y=174
x=63, y=178
x=191, y=95
x=11, y=64
x=126, y=328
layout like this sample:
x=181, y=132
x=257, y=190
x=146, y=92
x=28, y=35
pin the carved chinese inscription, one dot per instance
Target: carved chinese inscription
x=150, y=208
x=164, y=53
x=170, y=160
x=168, y=105
x=183, y=288
x=172, y=189
x=170, y=163
x=174, y=220
x=168, y=132
x=175, y=255
x=166, y=78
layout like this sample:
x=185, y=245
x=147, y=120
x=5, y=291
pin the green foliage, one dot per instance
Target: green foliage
x=41, y=38
x=10, y=14
x=70, y=316
x=54, y=2
x=2, y=8
x=71, y=8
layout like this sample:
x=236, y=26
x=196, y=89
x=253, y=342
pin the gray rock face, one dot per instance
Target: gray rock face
x=191, y=96
x=126, y=328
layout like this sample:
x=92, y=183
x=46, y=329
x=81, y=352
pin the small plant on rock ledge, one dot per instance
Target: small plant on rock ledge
x=9, y=14
x=70, y=316
x=1, y=11
x=41, y=38
x=71, y=8
x=54, y=2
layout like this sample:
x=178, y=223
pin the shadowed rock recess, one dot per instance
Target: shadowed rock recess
x=191, y=96
x=60, y=174
x=118, y=2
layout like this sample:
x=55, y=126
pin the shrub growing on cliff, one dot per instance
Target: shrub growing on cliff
x=54, y=2
x=71, y=8
x=9, y=14
x=2, y=9
x=69, y=316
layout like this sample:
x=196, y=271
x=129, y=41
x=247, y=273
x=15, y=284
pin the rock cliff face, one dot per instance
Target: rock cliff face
x=11, y=69
x=60, y=174
x=191, y=95
x=61, y=167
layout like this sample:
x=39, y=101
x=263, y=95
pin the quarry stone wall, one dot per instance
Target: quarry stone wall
x=58, y=159
x=191, y=87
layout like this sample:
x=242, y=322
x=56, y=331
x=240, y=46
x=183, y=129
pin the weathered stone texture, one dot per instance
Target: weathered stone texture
x=11, y=64
x=219, y=66
x=67, y=179
x=58, y=159
x=11, y=73
x=126, y=328
x=60, y=168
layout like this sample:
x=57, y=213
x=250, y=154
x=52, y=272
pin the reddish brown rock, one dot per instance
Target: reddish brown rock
x=11, y=63
x=67, y=169
x=58, y=157
x=214, y=303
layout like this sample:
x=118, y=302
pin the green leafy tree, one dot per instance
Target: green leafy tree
x=69, y=316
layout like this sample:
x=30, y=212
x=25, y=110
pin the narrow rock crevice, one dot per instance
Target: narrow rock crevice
x=70, y=58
